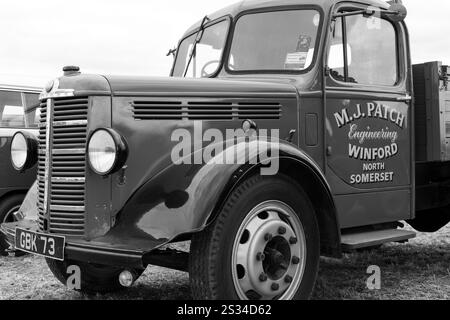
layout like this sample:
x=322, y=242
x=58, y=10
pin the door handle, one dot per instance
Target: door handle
x=406, y=98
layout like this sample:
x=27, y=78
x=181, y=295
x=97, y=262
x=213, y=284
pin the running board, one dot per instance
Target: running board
x=355, y=241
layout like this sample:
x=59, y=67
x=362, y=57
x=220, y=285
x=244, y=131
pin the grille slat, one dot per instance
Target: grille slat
x=67, y=165
x=68, y=118
x=66, y=231
x=68, y=145
x=205, y=110
x=65, y=215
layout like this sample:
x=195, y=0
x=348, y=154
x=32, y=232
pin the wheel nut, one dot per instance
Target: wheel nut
x=260, y=256
x=262, y=277
x=293, y=240
x=281, y=230
x=288, y=279
x=268, y=237
x=275, y=286
x=295, y=260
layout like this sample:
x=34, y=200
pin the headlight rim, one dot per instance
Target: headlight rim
x=31, y=144
x=121, y=151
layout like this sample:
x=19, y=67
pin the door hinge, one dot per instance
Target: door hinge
x=443, y=76
x=406, y=98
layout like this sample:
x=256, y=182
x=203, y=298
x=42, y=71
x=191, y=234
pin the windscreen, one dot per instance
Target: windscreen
x=280, y=40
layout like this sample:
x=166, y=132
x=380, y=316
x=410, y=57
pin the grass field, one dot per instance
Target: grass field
x=417, y=270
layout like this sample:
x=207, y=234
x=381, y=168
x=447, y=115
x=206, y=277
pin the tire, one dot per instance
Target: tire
x=94, y=278
x=7, y=207
x=215, y=268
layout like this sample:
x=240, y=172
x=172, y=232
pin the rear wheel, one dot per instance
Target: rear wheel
x=94, y=278
x=8, y=208
x=264, y=245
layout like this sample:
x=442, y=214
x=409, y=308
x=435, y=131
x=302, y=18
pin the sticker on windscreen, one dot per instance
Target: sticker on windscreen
x=298, y=60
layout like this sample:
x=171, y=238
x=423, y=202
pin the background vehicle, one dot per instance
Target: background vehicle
x=18, y=112
x=333, y=77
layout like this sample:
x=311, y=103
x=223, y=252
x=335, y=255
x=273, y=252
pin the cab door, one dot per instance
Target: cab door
x=368, y=120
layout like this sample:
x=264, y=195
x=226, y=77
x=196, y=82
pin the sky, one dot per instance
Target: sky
x=132, y=37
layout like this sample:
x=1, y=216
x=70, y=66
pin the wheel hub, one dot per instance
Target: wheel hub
x=277, y=257
x=265, y=251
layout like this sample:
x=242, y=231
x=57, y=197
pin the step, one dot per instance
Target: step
x=354, y=241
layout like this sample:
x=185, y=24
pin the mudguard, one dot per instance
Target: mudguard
x=183, y=199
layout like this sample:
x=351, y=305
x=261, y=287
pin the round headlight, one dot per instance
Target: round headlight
x=19, y=151
x=106, y=151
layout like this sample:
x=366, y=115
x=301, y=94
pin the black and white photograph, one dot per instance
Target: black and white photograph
x=200, y=151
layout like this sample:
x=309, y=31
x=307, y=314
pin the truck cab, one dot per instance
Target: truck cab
x=286, y=131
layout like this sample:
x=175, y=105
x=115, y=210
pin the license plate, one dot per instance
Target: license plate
x=40, y=244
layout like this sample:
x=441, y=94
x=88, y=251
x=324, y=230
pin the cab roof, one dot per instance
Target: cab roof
x=244, y=5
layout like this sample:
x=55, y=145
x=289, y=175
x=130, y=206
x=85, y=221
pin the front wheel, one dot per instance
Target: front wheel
x=94, y=278
x=264, y=245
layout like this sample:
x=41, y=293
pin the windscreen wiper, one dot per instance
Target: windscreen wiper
x=198, y=38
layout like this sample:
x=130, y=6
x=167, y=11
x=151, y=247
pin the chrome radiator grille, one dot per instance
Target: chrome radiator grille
x=63, y=153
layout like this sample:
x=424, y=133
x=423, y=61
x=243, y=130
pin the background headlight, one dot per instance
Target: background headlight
x=19, y=151
x=23, y=151
x=106, y=151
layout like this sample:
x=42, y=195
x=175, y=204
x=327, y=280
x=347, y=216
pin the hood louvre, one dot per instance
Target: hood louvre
x=205, y=110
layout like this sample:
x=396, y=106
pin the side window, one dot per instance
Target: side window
x=336, y=60
x=206, y=58
x=371, y=55
x=32, y=110
x=11, y=110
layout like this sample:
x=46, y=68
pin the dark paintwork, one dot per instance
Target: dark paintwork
x=386, y=202
x=12, y=181
x=161, y=86
x=152, y=202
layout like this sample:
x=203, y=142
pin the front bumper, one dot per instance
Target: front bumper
x=100, y=251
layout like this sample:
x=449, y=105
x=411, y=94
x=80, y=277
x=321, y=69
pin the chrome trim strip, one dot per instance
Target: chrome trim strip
x=70, y=123
x=68, y=179
x=56, y=92
x=9, y=132
x=67, y=208
x=68, y=151
x=60, y=93
x=47, y=155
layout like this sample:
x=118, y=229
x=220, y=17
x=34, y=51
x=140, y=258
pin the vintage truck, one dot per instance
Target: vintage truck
x=19, y=111
x=288, y=130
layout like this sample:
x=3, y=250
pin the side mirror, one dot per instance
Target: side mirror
x=397, y=12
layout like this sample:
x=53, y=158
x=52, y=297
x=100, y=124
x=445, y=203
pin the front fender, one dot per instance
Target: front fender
x=183, y=199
